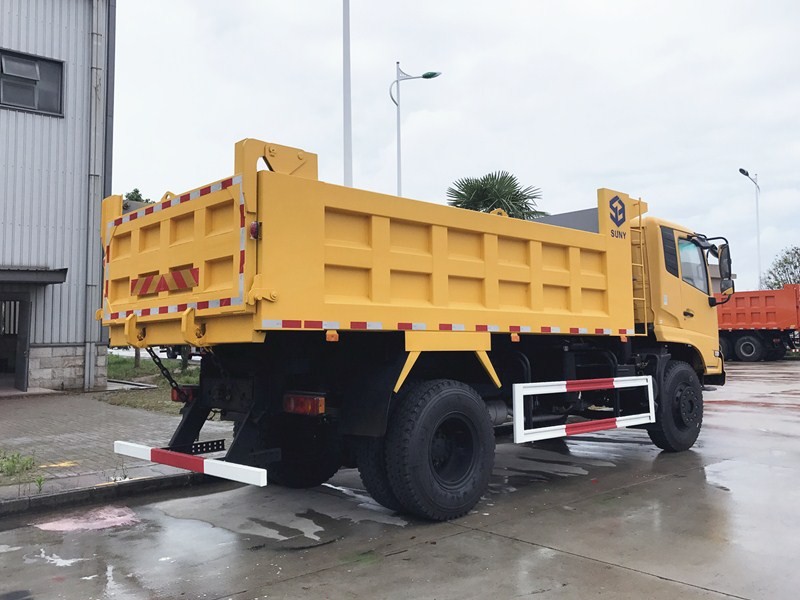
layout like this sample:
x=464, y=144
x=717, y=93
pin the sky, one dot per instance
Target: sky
x=663, y=101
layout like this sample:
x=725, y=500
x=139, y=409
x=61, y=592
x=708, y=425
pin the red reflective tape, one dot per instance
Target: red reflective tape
x=241, y=216
x=547, y=329
x=162, y=310
x=226, y=184
x=132, y=216
x=195, y=275
x=481, y=328
x=106, y=294
x=162, y=285
x=184, y=198
x=180, y=282
x=145, y=312
x=445, y=327
x=108, y=253
x=623, y=331
x=313, y=324
x=177, y=459
x=291, y=324
x=241, y=261
x=114, y=316
x=599, y=331
x=204, y=191
x=202, y=305
x=578, y=385
x=405, y=326
x=358, y=325
x=182, y=307
x=118, y=221
x=225, y=302
x=148, y=210
x=589, y=426
x=514, y=328
x=574, y=330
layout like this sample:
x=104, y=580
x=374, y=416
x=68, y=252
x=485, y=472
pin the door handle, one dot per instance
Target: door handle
x=688, y=313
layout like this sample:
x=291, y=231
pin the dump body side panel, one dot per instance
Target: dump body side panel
x=764, y=309
x=338, y=258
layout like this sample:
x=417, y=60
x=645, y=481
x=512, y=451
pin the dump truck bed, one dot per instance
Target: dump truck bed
x=762, y=309
x=268, y=250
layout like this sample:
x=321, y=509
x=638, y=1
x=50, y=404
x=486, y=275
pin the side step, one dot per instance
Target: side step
x=521, y=390
x=198, y=464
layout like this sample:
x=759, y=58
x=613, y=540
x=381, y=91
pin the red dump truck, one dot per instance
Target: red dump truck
x=760, y=325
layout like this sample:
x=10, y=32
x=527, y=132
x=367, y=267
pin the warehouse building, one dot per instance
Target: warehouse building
x=56, y=109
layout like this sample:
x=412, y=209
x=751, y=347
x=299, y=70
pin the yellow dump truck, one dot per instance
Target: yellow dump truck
x=342, y=327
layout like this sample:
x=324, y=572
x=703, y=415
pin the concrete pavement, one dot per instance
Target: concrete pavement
x=71, y=438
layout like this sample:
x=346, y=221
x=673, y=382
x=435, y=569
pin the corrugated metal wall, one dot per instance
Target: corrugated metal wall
x=47, y=183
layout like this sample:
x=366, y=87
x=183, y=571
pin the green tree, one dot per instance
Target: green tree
x=496, y=190
x=784, y=269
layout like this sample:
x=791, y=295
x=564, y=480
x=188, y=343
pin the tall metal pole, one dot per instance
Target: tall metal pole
x=754, y=179
x=758, y=231
x=348, y=120
x=399, y=176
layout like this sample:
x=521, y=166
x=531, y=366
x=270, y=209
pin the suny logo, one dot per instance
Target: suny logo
x=617, y=207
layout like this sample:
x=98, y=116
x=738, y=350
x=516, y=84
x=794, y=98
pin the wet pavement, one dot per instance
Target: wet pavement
x=602, y=516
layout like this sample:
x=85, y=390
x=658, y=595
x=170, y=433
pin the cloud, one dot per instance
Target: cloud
x=664, y=101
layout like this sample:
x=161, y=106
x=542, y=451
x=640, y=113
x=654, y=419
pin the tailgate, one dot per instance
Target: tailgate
x=186, y=256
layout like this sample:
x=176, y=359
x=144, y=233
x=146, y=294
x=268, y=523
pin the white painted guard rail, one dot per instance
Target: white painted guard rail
x=191, y=462
x=578, y=385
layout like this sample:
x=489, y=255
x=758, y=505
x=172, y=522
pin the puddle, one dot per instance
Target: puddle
x=99, y=518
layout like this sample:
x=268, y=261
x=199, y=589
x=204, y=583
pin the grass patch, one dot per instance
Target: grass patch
x=155, y=399
x=15, y=464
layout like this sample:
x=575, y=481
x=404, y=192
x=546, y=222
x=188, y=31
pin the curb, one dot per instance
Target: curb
x=100, y=493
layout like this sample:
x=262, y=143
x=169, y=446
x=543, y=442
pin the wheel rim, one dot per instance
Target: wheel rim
x=687, y=406
x=452, y=450
x=747, y=349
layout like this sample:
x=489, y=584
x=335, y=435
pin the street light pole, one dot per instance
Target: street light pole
x=754, y=179
x=348, y=122
x=400, y=75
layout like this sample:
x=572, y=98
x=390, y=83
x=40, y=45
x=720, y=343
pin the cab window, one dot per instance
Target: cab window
x=693, y=265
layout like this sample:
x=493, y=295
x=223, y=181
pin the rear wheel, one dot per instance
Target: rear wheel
x=679, y=414
x=311, y=452
x=749, y=348
x=440, y=450
x=371, y=461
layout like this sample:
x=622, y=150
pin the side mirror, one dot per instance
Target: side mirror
x=726, y=287
x=725, y=268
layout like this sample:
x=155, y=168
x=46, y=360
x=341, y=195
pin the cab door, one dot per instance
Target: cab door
x=698, y=317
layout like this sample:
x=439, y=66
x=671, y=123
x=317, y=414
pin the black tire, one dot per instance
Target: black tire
x=679, y=409
x=371, y=462
x=726, y=348
x=440, y=450
x=749, y=348
x=171, y=353
x=775, y=353
x=311, y=452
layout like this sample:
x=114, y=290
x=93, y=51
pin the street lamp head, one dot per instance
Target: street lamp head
x=744, y=172
x=431, y=74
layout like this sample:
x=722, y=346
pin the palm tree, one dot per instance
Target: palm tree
x=496, y=190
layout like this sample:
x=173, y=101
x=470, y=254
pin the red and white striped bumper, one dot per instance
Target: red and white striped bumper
x=578, y=385
x=198, y=464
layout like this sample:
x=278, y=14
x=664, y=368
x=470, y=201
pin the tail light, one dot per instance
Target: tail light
x=301, y=403
x=185, y=393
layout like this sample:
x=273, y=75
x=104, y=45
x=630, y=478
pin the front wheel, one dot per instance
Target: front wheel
x=440, y=450
x=679, y=414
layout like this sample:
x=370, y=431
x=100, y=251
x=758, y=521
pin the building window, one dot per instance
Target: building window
x=30, y=83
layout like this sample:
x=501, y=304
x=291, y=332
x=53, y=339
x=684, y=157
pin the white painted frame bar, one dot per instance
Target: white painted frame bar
x=522, y=435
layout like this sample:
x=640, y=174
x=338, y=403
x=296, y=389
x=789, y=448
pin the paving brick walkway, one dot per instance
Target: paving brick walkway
x=71, y=437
